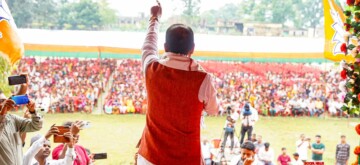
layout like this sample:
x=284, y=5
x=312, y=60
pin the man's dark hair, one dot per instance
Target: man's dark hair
x=319, y=136
x=179, y=39
x=282, y=149
x=343, y=136
x=267, y=145
x=248, y=145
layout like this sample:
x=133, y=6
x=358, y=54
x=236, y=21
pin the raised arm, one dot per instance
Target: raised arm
x=37, y=145
x=26, y=125
x=150, y=49
x=33, y=150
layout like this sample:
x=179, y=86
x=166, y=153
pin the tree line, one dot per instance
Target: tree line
x=297, y=13
x=63, y=14
x=98, y=15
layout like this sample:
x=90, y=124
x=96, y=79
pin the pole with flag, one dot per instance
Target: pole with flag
x=11, y=47
x=335, y=35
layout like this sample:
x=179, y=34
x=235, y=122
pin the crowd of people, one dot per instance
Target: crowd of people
x=264, y=154
x=127, y=92
x=66, y=85
x=71, y=85
x=13, y=130
x=232, y=150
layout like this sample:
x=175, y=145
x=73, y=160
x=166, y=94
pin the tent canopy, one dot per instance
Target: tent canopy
x=113, y=44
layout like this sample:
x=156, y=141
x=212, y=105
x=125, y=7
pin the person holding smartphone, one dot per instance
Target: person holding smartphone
x=302, y=147
x=40, y=150
x=12, y=125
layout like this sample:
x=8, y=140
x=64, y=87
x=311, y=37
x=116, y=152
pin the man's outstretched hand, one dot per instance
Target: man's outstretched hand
x=156, y=11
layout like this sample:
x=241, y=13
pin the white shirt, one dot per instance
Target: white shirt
x=298, y=162
x=266, y=155
x=29, y=157
x=302, y=150
x=248, y=120
x=205, y=150
x=254, y=113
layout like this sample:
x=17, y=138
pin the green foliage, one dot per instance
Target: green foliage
x=5, y=72
x=301, y=13
x=63, y=14
x=22, y=11
x=192, y=8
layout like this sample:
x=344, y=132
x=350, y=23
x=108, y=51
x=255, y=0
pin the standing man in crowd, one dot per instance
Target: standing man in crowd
x=11, y=126
x=342, y=152
x=248, y=120
x=317, y=149
x=178, y=90
x=229, y=129
x=302, y=147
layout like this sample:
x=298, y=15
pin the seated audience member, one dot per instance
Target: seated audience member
x=253, y=138
x=40, y=150
x=319, y=107
x=247, y=155
x=266, y=155
x=82, y=158
x=259, y=144
x=284, y=159
x=130, y=106
x=297, y=160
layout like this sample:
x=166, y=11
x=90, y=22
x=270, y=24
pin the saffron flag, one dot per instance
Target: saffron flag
x=334, y=30
x=11, y=47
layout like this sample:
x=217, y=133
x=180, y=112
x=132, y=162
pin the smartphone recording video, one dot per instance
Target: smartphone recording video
x=16, y=80
x=60, y=138
x=20, y=99
x=100, y=156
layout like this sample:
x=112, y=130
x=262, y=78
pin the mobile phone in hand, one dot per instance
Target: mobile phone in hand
x=100, y=156
x=20, y=99
x=60, y=138
x=16, y=80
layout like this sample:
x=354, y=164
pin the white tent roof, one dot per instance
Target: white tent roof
x=203, y=42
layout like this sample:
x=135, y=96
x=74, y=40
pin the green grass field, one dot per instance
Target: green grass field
x=118, y=135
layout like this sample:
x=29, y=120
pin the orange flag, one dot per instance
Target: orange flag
x=11, y=47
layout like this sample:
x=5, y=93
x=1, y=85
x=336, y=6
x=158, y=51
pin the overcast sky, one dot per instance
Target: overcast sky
x=170, y=7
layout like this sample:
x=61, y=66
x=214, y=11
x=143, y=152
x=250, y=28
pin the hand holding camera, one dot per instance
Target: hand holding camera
x=52, y=132
x=6, y=106
x=70, y=137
